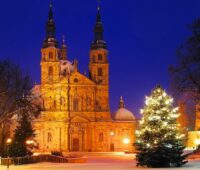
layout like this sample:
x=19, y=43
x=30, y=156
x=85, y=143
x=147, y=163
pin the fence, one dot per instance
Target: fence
x=33, y=159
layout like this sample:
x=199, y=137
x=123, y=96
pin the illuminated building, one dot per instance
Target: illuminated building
x=76, y=113
x=194, y=136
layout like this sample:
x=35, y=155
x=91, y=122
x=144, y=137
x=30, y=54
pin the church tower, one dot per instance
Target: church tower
x=50, y=53
x=99, y=65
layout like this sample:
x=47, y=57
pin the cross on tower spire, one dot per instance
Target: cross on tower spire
x=50, y=39
x=121, y=103
x=98, y=31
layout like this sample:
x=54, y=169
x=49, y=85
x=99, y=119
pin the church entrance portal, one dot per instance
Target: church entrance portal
x=112, y=147
x=75, y=145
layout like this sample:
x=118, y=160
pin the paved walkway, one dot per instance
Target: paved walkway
x=98, y=161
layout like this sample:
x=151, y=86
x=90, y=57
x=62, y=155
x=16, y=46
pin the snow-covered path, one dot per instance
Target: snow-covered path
x=98, y=161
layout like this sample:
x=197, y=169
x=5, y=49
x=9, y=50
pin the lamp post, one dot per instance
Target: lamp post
x=111, y=141
x=31, y=144
x=126, y=141
x=8, y=142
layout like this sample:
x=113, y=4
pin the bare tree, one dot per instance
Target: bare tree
x=185, y=76
x=15, y=96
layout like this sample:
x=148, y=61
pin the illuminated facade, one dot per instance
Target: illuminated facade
x=76, y=113
x=197, y=122
x=194, y=136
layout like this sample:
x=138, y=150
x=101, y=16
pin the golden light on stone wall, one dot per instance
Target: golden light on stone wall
x=112, y=134
x=193, y=139
x=197, y=142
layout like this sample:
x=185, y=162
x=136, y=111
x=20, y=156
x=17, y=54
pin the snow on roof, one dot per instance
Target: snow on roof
x=66, y=67
x=124, y=114
x=36, y=95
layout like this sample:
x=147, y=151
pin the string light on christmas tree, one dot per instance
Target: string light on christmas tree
x=159, y=132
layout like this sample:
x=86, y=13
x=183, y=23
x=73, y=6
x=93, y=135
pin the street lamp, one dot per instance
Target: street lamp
x=111, y=141
x=29, y=142
x=8, y=142
x=31, y=145
x=126, y=141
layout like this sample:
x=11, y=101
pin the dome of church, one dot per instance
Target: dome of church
x=123, y=114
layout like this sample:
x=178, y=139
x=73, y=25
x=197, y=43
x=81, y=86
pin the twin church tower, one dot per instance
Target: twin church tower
x=56, y=69
x=75, y=112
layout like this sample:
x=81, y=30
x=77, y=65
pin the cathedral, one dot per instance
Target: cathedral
x=75, y=112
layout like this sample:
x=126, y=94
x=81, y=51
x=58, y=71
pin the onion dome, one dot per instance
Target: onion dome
x=122, y=113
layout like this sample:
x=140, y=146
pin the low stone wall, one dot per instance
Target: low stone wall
x=42, y=158
x=33, y=159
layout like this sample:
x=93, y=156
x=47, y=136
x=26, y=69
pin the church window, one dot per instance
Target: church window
x=54, y=104
x=76, y=80
x=49, y=137
x=100, y=57
x=50, y=55
x=93, y=57
x=64, y=72
x=89, y=101
x=100, y=72
x=75, y=104
x=50, y=72
x=101, y=137
x=62, y=101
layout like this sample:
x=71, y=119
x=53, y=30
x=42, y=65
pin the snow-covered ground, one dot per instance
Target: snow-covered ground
x=99, y=161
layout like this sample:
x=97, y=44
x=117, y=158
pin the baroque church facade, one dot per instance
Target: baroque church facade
x=75, y=112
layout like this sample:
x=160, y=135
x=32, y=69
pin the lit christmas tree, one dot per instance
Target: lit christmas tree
x=159, y=139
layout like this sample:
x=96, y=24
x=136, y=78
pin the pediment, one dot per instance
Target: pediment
x=79, y=119
x=78, y=78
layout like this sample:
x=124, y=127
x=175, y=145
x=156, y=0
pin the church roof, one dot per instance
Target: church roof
x=123, y=114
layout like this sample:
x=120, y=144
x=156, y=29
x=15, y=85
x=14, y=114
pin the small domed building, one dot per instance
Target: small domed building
x=124, y=114
x=124, y=126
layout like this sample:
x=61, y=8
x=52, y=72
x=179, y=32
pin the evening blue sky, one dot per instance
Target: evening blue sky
x=141, y=35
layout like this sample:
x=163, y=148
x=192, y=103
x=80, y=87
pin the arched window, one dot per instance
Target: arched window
x=54, y=104
x=75, y=104
x=100, y=72
x=93, y=58
x=50, y=71
x=49, y=137
x=76, y=80
x=64, y=72
x=100, y=57
x=62, y=101
x=50, y=55
x=101, y=137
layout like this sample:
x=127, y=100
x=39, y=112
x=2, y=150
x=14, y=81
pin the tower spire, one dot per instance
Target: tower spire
x=63, y=55
x=50, y=39
x=98, y=31
x=50, y=10
x=121, y=103
x=98, y=12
